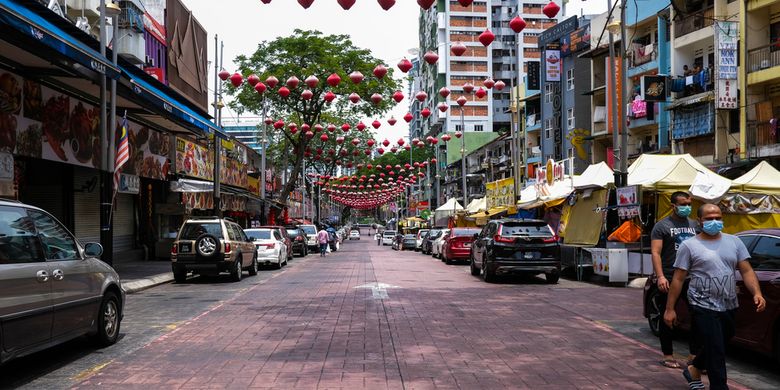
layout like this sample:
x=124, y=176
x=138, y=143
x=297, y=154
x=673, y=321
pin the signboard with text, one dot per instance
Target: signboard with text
x=726, y=39
x=552, y=65
x=500, y=193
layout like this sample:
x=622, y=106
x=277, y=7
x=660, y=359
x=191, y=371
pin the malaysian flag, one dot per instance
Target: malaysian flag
x=122, y=152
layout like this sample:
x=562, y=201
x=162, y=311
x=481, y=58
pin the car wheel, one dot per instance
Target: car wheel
x=179, y=274
x=108, y=320
x=253, y=267
x=207, y=245
x=552, y=277
x=445, y=259
x=487, y=275
x=654, y=313
x=474, y=270
x=237, y=272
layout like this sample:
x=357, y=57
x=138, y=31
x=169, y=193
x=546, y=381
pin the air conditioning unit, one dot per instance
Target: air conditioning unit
x=131, y=46
x=88, y=8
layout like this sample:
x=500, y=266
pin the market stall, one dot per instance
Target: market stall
x=441, y=215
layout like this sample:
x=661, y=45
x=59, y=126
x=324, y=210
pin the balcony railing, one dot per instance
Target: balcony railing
x=764, y=57
x=759, y=136
x=642, y=54
x=694, y=22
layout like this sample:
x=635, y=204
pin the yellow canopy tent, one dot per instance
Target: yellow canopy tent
x=762, y=179
x=669, y=173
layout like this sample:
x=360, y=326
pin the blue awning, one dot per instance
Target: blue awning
x=35, y=26
x=161, y=99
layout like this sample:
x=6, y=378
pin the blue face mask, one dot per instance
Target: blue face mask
x=712, y=227
x=683, y=211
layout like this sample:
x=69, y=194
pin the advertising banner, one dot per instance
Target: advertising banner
x=612, y=95
x=500, y=193
x=750, y=204
x=253, y=185
x=148, y=151
x=726, y=39
x=553, y=64
x=194, y=160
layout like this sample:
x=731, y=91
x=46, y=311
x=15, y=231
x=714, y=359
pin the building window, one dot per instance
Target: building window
x=458, y=128
x=548, y=125
x=570, y=79
x=478, y=128
x=548, y=92
x=570, y=118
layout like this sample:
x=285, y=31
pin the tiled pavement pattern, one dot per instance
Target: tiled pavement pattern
x=433, y=326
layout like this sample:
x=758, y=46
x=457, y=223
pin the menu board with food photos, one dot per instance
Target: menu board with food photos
x=194, y=160
x=37, y=121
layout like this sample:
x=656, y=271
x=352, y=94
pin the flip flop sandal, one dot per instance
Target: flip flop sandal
x=692, y=384
x=670, y=363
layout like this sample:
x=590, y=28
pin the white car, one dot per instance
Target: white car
x=438, y=243
x=388, y=237
x=354, y=235
x=311, y=232
x=271, y=249
x=420, y=235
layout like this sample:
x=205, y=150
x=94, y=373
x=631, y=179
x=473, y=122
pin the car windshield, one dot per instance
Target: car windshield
x=293, y=233
x=463, y=232
x=310, y=230
x=264, y=234
x=539, y=229
x=193, y=230
x=410, y=237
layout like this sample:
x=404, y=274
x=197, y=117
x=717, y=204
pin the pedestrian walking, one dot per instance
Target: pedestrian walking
x=322, y=239
x=666, y=237
x=711, y=257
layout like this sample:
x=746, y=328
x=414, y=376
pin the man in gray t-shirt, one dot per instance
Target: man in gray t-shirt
x=711, y=258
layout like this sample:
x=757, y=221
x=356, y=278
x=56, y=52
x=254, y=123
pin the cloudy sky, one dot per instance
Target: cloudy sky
x=242, y=24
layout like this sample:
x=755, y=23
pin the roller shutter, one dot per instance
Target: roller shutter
x=86, y=207
x=124, y=222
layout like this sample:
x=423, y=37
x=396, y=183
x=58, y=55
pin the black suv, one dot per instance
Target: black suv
x=526, y=246
x=299, y=240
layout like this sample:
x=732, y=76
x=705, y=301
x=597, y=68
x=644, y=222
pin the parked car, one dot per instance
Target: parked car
x=285, y=237
x=758, y=332
x=388, y=237
x=299, y=240
x=210, y=245
x=519, y=246
x=53, y=288
x=311, y=235
x=437, y=243
x=457, y=246
x=408, y=241
x=420, y=236
x=271, y=248
x=333, y=240
x=428, y=240
x=354, y=235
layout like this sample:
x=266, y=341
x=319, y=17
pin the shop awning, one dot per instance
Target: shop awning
x=165, y=102
x=38, y=28
x=189, y=185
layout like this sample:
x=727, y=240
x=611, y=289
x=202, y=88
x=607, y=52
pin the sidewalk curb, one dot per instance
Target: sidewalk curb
x=136, y=285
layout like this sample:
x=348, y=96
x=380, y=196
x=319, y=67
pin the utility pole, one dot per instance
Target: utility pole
x=107, y=186
x=218, y=146
x=623, y=100
x=613, y=80
x=463, y=155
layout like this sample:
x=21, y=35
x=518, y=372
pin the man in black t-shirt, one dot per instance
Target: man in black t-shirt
x=666, y=237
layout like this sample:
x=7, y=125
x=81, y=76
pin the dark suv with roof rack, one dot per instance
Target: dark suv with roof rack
x=210, y=245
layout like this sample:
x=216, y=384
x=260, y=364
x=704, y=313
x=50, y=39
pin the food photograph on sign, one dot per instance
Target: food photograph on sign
x=149, y=151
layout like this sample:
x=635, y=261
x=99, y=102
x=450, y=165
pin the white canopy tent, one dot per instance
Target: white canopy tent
x=659, y=172
x=477, y=205
x=595, y=176
x=448, y=209
x=532, y=197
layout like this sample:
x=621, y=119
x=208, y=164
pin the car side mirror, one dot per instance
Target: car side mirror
x=93, y=249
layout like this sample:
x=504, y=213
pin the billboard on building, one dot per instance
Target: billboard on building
x=726, y=39
x=552, y=65
x=534, y=76
x=187, y=54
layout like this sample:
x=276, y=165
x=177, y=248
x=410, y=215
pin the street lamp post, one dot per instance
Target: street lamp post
x=463, y=154
x=263, y=145
x=613, y=80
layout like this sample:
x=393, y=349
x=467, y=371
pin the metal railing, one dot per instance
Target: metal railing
x=639, y=59
x=759, y=135
x=763, y=57
x=694, y=22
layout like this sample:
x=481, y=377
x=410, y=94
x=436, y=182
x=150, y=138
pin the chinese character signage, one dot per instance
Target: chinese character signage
x=534, y=76
x=500, y=193
x=726, y=38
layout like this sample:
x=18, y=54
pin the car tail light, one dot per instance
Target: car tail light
x=174, y=249
x=551, y=239
x=299, y=238
x=227, y=248
x=499, y=238
x=270, y=246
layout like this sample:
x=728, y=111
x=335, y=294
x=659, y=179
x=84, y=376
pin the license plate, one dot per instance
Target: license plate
x=531, y=255
x=185, y=247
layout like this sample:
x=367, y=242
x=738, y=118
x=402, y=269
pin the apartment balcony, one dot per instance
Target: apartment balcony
x=642, y=58
x=533, y=155
x=694, y=21
x=763, y=63
x=761, y=142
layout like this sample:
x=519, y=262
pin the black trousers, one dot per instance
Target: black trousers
x=714, y=330
x=667, y=334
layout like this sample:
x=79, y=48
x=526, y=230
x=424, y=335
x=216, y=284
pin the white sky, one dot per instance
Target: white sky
x=242, y=24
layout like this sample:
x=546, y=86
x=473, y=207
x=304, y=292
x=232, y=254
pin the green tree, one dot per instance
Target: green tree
x=304, y=54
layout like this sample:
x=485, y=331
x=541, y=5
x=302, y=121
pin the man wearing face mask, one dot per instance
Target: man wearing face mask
x=711, y=259
x=666, y=237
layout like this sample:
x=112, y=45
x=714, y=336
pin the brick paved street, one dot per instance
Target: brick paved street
x=434, y=326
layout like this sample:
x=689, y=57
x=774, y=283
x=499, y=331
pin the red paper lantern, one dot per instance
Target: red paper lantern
x=323, y=138
x=339, y=140
x=462, y=101
x=356, y=77
x=425, y=112
x=431, y=57
x=345, y=127
x=346, y=4
x=386, y=4
x=405, y=65
x=425, y=4
x=551, y=9
x=446, y=138
x=260, y=87
x=278, y=124
x=252, y=79
x=293, y=82
x=318, y=128
x=408, y=117
x=380, y=71
x=499, y=85
x=391, y=121
x=354, y=98
x=480, y=93
x=269, y=121
x=488, y=83
x=223, y=75
x=465, y=3
x=386, y=143
x=329, y=96
x=401, y=142
x=236, y=79
x=458, y=49
x=331, y=128
x=434, y=161
x=355, y=141
x=309, y=135
x=421, y=96
x=284, y=92
x=458, y=134
x=468, y=88
x=334, y=80
x=376, y=98
x=272, y=82
x=398, y=96
x=360, y=126
x=307, y=94
x=376, y=124
x=370, y=143
x=312, y=81
x=444, y=92
x=407, y=147
x=305, y=3
x=443, y=107
x=486, y=38
x=380, y=151
x=517, y=24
